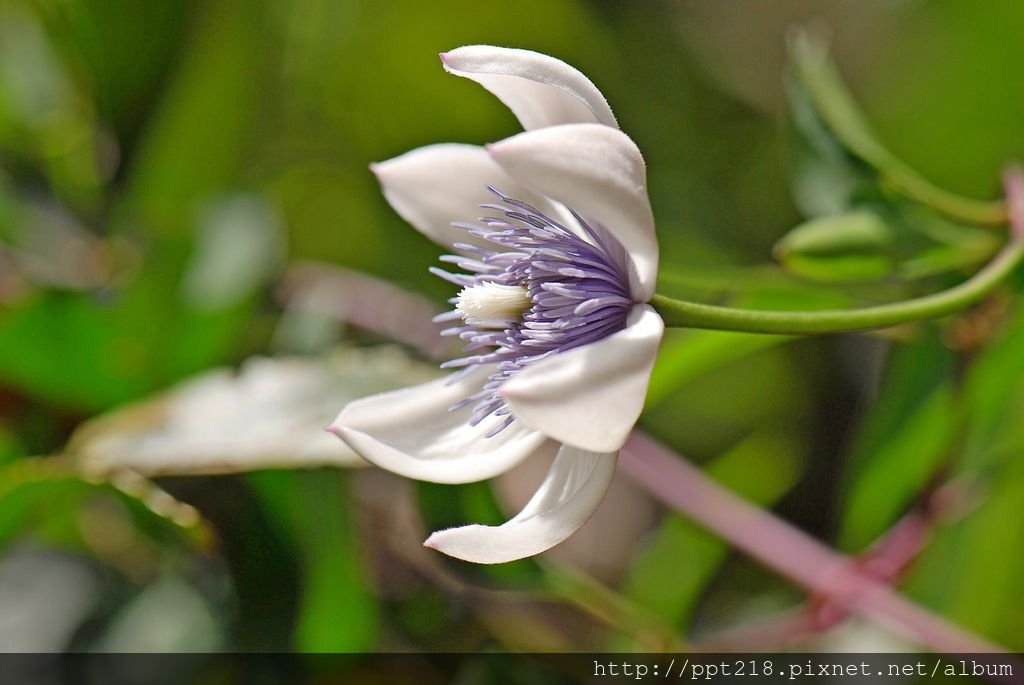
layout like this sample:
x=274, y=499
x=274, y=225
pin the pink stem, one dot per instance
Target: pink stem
x=892, y=553
x=787, y=550
x=369, y=303
x=886, y=559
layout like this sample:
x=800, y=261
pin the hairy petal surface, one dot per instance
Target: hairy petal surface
x=600, y=172
x=411, y=432
x=574, y=487
x=539, y=89
x=590, y=396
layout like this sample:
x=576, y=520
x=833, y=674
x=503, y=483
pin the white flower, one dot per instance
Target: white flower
x=560, y=340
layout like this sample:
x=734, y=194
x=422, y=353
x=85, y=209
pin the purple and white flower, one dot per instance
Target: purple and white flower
x=554, y=279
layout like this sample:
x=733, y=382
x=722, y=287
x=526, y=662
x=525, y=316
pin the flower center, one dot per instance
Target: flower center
x=492, y=305
x=543, y=288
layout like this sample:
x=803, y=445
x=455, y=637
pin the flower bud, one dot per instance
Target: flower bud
x=850, y=247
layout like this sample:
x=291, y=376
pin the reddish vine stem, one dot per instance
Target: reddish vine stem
x=816, y=568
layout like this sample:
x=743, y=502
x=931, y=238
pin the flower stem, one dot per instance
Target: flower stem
x=787, y=550
x=682, y=314
x=817, y=73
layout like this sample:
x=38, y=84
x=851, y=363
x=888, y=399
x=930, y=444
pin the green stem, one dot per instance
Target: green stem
x=681, y=314
x=840, y=113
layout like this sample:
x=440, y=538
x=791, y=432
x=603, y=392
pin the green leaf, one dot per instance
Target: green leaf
x=192, y=150
x=971, y=571
x=898, y=470
x=590, y=595
x=901, y=442
x=338, y=612
x=69, y=348
x=940, y=91
x=88, y=352
x=939, y=260
x=826, y=178
x=118, y=50
x=686, y=355
x=46, y=119
x=10, y=448
x=995, y=400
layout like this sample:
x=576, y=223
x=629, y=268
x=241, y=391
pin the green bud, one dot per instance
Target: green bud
x=850, y=247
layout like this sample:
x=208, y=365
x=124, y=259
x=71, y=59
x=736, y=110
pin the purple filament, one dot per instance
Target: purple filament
x=578, y=286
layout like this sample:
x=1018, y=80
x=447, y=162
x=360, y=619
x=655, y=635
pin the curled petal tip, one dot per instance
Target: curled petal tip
x=449, y=542
x=436, y=542
x=575, y=485
x=539, y=89
x=507, y=393
x=336, y=429
x=443, y=56
x=495, y=150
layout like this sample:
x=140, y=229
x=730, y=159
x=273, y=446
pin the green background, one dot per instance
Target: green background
x=165, y=164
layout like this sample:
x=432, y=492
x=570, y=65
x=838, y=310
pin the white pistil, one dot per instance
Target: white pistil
x=492, y=304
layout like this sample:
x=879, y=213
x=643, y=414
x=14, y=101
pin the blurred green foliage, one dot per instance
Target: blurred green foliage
x=162, y=164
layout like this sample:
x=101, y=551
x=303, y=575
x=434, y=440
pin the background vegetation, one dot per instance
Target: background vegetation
x=169, y=169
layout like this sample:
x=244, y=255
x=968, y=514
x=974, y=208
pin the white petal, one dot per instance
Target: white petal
x=432, y=186
x=412, y=433
x=600, y=173
x=539, y=89
x=590, y=396
x=575, y=485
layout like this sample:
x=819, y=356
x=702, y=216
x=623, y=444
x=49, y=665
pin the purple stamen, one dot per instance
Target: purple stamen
x=578, y=290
